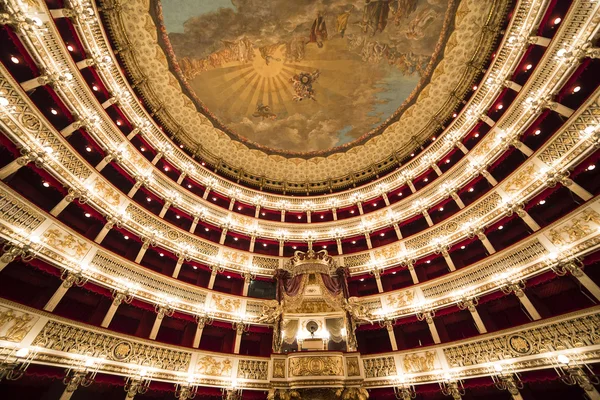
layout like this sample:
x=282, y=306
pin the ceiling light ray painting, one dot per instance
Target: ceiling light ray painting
x=304, y=75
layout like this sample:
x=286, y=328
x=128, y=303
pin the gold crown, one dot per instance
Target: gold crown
x=311, y=261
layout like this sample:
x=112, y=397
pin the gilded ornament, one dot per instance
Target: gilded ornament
x=316, y=366
x=278, y=368
x=226, y=305
x=519, y=344
x=122, y=350
x=209, y=365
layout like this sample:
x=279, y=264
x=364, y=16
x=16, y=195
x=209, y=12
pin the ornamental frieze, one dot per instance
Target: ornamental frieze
x=315, y=366
x=15, y=324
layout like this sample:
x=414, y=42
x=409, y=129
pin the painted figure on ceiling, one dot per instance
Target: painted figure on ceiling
x=375, y=16
x=318, y=31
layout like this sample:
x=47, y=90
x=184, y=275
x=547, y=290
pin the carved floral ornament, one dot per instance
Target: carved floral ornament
x=100, y=44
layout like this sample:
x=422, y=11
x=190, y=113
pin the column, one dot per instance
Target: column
x=199, y=328
x=462, y=147
x=134, y=189
x=559, y=108
x=489, y=177
x=575, y=188
x=213, y=276
x=457, y=199
x=104, y=162
x=539, y=40
x=69, y=279
x=522, y=147
x=360, y=208
x=161, y=311
x=437, y=169
x=524, y=215
x=427, y=217
x=334, y=212
x=470, y=304
x=109, y=102
x=145, y=245
x=308, y=216
x=194, y=224
x=575, y=268
x=487, y=120
x=411, y=186
x=448, y=259
x=257, y=211
x=252, y=243
x=206, y=192
x=486, y=243
x=223, y=236
x=413, y=273
x=133, y=133
x=513, y=85
x=231, y=204
x=338, y=241
x=13, y=167
x=247, y=280
x=178, y=266
x=377, y=274
x=105, y=229
x=118, y=299
x=385, y=198
x=517, y=289
x=427, y=316
x=239, y=327
x=69, y=129
x=368, y=239
x=83, y=64
x=282, y=215
x=35, y=82
x=281, y=242
x=390, y=329
x=157, y=157
x=397, y=230
x=181, y=178
x=164, y=209
x=60, y=207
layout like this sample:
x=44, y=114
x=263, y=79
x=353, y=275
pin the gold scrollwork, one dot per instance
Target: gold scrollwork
x=316, y=366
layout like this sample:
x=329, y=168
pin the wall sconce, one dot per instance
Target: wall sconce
x=137, y=383
x=15, y=363
x=404, y=390
x=232, y=393
x=186, y=390
x=452, y=387
x=82, y=375
x=572, y=373
x=505, y=379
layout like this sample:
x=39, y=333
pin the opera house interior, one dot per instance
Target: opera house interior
x=299, y=199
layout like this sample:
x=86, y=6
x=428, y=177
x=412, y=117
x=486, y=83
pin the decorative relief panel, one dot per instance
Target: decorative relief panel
x=419, y=362
x=352, y=366
x=71, y=339
x=278, y=368
x=214, y=366
x=579, y=332
x=379, y=367
x=222, y=303
x=399, y=300
x=357, y=260
x=14, y=324
x=253, y=369
x=106, y=192
x=66, y=242
x=316, y=366
x=520, y=180
x=265, y=263
x=575, y=229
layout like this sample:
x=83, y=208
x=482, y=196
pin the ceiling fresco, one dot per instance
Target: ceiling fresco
x=304, y=76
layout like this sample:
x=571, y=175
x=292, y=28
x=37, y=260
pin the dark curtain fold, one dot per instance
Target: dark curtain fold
x=293, y=285
x=332, y=284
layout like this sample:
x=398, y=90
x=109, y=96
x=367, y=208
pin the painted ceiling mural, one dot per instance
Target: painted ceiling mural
x=305, y=76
